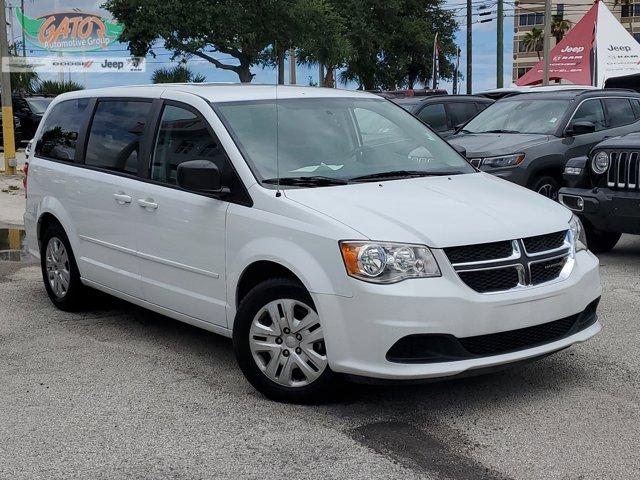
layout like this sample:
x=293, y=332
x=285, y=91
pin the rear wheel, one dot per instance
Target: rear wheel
x=546, y=186
x=600, y=241
x=59, y=270
x=279, y=343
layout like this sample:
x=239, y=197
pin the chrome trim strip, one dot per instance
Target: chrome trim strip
x=566, y=245
x=562, y=196
x=152, y=258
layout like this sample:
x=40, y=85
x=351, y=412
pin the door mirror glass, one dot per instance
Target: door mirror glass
x=580, y=128
x=199, y=176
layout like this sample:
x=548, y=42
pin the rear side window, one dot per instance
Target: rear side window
x=115, y=136
x=590, y=111
x=60, y=130
x=183, y=136
x=620, y=111
x=434, y=116
x=636, y=107
x=462, y=112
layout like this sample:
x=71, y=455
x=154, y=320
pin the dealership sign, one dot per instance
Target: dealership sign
x=598, y=47
x=74, y=64
x=69, y=31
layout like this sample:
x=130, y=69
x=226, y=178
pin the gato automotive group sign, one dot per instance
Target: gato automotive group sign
x=69, y=31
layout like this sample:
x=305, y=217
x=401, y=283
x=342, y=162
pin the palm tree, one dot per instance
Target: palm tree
x=559, y=27
x=53, y=87
x=534, y=41
x=177, y=74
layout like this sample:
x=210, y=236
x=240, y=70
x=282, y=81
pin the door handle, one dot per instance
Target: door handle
x=147, y=203
x=122, y=198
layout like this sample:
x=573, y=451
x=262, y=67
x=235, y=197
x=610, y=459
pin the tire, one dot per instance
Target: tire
x=599, y=241
x=60, y=272
x=546, y=186
x=272, y=359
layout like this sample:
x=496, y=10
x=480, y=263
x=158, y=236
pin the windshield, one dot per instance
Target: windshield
x=337, y=139
x=519, y=116
x=38, y=105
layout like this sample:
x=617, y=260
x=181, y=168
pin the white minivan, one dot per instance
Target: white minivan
x=329, y=232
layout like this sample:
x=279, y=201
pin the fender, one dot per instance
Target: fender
x=53, y=206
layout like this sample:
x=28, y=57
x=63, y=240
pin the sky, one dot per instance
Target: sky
x=484, y=51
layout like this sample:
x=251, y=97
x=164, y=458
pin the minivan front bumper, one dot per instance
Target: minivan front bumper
x=362, y=329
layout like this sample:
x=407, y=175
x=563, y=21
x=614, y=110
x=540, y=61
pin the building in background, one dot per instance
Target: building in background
x=529, y=23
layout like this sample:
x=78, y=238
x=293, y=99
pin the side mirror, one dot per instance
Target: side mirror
x=460, y=149
x=200, y=176
x=580, y=128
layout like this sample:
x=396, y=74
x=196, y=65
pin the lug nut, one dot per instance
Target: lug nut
x=298, y=336
x=287, y=331
x=298, y=350
x=279, y=340
x=285, y=353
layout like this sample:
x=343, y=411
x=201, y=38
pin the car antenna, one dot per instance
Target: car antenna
x=278, y=193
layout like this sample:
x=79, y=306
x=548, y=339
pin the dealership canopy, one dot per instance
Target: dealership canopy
x=598, y=47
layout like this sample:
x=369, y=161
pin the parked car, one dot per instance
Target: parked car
x=29, y=110
x=529, y=138
x=328, y=232
x=603, y=189
x=443, y=113
x=409, y=92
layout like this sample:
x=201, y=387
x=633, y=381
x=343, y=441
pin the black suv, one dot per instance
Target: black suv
x=29, y=110
x=603, y=189
x=444, y=112
x=529, y=138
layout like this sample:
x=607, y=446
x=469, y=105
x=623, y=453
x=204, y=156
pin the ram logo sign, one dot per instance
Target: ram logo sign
x=69, y=31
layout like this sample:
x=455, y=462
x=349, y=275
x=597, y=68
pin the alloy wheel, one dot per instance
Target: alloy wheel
x=287, y=343
x=548, y=190
x=57, y=264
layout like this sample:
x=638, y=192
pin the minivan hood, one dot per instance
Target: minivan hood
x=438, y=211
x=494, y=144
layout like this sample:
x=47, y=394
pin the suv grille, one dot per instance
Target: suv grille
x=502, y=266
x=624, y=170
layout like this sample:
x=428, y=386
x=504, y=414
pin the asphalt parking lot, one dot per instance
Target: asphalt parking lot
x=118, y=392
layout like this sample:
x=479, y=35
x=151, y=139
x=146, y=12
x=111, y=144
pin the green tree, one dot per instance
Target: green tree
x=25, y=82
x=233, y=35
x=559, y=26
x=53, y=87
x=392, y=41
x=533, y=41
x=177, y=74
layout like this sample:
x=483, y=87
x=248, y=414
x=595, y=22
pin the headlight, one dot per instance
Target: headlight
x=572, y=170
x=600, y=163
x=503, y=161
x=388, y=262
x=578, y=234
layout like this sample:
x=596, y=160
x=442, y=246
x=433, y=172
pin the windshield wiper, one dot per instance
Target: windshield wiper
x=400, y=174
x=310, y=181
x=500, y=131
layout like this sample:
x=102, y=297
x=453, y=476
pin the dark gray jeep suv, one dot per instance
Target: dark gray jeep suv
x=529, y=138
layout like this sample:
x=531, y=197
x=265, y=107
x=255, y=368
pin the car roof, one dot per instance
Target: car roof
x=569, y=94
x=223, y=92
x=440, y=99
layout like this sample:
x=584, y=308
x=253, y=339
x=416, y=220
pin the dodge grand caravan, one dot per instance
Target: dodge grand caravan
x=329, y=233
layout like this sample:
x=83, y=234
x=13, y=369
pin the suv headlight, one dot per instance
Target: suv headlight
x=382, y=262
x=600, y=163
x=503, y=161
x=578, y=235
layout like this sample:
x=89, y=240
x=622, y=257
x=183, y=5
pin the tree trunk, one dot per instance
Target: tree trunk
x=280, y=55
x=244, y=73
x=329, y=78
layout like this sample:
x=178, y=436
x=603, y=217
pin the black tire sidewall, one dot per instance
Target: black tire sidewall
x=545, y=180
x=258, y=297
x=72, y=301
x=600, y=241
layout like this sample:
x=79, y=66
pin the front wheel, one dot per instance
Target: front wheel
x=599, y=241
x=279, y=343
x=546, y=186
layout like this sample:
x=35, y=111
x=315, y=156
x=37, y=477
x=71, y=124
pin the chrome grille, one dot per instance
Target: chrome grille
x=528, y=262
x=624, y=170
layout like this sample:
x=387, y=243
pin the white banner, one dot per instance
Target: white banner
x=74, y=64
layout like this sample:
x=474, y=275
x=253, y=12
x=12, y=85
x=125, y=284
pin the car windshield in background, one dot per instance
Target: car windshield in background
x=324, y=141
x=38, y=105
x=519, y=116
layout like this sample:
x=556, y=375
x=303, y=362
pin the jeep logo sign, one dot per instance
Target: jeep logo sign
x=569, y=49
x=620, y=48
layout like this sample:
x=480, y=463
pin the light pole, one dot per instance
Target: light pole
x=547, y=40
x=7, y=108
